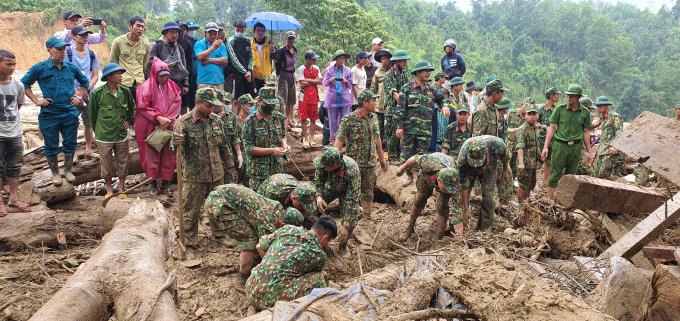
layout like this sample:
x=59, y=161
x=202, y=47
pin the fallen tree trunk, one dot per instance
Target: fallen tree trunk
x=590, y=193
x=303, y=158
x=20, y=231
x=126, y=270
x=390, y=184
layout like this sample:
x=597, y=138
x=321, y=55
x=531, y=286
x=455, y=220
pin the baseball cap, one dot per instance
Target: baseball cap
x=79, y=30
x=209, y=95
x=191, y=24
x=163, y=72
x=311, y=55
x=450, y=179
x=529, y=100
x=268, y=95
x=290, y=33
x=438, y=75
x=292, y=216
x=463, y=107
x=476, y=151
x=55, y=42
x=70, y=14
x=305, y=193
x=211, y=26
x=376, y=41
x=362, y=54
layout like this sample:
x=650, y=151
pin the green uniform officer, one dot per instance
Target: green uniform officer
x=570, y=126
x=286, y=190
x=414, y=115
x=609, y=160
x=478, y=160
x=395, y=78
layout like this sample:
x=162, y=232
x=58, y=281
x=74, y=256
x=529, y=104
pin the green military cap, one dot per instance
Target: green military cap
x=531, y=108
x=421, y=65
x=305, y=193
x=438, y=75
x=340, y=53
x=268, y=95
x=586, y=102
x=495, y=84
x=505, y=103
x=677, y=105
x=529, y=100
x=456, y=81
x=476, y=151
x=450, y=179
x=210, y=95
x=270, y=80
x=551, y=92
x=464, y=107
x=227, y=96
x=400, y=55
x=602, y=100
x=366, y=95
x=220, y=95
x=574, y=89
x=246, y=99
x=330, y=156
x=292, y=216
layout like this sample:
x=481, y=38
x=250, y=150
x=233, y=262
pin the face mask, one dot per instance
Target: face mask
x=251, y=110
x=239, y=35
x=191, y=33
x=267, y=109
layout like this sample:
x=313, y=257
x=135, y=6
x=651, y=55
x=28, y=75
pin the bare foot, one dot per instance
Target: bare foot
x=22, y=206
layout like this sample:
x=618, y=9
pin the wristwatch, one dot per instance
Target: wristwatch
x=79, y=98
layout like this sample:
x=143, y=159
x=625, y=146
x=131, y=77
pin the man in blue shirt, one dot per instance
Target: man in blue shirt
x=212, y=56
x=453, y=63
x=58, y=113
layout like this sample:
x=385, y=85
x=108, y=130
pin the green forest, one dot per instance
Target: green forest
x=630, y=55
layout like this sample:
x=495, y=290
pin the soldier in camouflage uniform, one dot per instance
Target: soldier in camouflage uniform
x=528, y=153
x=478, y=160
x=609, y=160
x=264, y=138
x=585, y=167
x=243, y=106
x=270, y=82
x=515, y=120
x=201, y=134
x=457, y=133
x=359, y=133
x=286, y=190
x=292, y=263
x=552, y=95
x=395, y=78
x=414, y=115
x=485, y=119
x=437, y=172
x=504, y=183
x=338, y=176
x=246, y=216
x=233, y=142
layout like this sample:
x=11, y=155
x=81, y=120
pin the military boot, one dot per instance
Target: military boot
x=54, y=168
x=68, y=163
x=409, y=231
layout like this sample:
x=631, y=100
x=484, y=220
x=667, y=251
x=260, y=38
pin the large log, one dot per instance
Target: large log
x=390, y=184
x=589, y=193
x=302, y=160
x=127, y=270
x=647, y=230
x=655, y=141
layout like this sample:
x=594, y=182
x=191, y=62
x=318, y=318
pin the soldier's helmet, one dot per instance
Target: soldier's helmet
x=602, y=100
x=400, y=55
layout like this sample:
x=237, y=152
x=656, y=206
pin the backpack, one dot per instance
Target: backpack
x=69, y=53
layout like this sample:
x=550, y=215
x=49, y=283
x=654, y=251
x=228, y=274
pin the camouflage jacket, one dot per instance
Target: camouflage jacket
x=485, y=120
x=544, y=115
x=611, y=126
x=203, y=147
x=514, y=121
x=415, y=115
x=346, y=181
x=230, y=201
x=393, y=83
x=529, y=141
x=457, y=100
x=431, y=164
x=258, y=132
x=454, y=138
x=360, y=135
x=291, y=252
x=278, y=187
x=496, y=150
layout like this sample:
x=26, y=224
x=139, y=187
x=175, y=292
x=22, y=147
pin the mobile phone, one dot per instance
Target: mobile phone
x=338, y=79
x=96, y=22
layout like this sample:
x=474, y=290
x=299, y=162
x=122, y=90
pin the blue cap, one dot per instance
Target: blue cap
x=362, y=54
x=192, y=24
x=109, y=68
x=55, y=42
x=169, y=26
x=490, y=79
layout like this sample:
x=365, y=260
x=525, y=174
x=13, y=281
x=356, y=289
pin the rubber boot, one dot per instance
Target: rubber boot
x=54, y=168
x=409, y=231
x=165, y=185
x=68, y=163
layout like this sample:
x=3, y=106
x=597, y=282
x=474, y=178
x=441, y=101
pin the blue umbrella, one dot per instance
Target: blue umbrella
x=273, y=21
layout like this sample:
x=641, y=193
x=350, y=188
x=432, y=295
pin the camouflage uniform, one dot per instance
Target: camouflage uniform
x=608, y=163
x=485, y=119
x=430, y=166
x=515, y=120
x=292, y=267
x=203, y=146
x=237, y=123
x=478, y=160
x=343, y=184
x=454, y=139
x=527, y=140
x=258, y=132
x=414, y=115
x=393, y=83
x=244, y=215
x=280, y=187
x=270, y=81
x=641, y=174
x=360, y=135
x=233, y=137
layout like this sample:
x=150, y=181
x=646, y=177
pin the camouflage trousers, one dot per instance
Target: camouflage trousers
x=263, y=296
x=413, y=145
x=641, y=174
x=368, y=181
x=261, y=168
x=230, y=172
x=513, y=164
x=194, y=195
x=583, y=167
x=487, y=179
x=504, y=186
x=393, y=147
x=426, y=184
x=608, y=165
x=349, y=208
x=527, y=178
x=236, y=227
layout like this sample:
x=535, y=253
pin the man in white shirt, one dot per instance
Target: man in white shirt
x=71, y=19
x=359, y=77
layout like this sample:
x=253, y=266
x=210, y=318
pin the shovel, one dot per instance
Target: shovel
x=125, y=192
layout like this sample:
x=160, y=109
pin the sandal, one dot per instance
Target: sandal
x=22, y=206
x=305, y=145
x=312, y=144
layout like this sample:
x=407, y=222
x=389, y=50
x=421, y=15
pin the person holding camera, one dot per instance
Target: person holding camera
x=168, y=50
x=72, y=19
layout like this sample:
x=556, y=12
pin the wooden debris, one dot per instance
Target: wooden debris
x=617, y=233
x=659, y=252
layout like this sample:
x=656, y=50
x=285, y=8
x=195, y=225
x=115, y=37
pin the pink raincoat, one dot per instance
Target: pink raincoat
x=155, y=100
